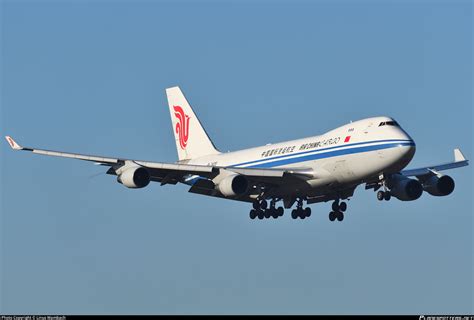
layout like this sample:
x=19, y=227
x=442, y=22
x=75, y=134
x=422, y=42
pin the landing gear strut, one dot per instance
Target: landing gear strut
x=337, y=210
x=261, y=210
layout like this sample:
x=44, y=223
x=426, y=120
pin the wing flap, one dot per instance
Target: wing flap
x=302, y=173
x=75, y=156
x=196, y=169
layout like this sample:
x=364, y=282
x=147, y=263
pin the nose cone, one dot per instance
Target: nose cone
x=407, y=152
x=406, y=146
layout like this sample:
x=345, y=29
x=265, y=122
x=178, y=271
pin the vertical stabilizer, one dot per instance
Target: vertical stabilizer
x=192, y=140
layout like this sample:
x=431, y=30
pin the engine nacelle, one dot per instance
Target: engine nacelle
x=405, y=189
x=439, y=186
x=233, y=185
x=134, y=177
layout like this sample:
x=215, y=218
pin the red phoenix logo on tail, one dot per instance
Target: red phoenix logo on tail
x=11, y=142
x=182, y=127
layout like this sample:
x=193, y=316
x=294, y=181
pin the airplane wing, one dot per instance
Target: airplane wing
x=172, y=173
x=117, y=162
x=459, y=161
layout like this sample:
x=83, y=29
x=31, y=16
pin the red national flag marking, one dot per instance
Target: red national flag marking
x=347, y=139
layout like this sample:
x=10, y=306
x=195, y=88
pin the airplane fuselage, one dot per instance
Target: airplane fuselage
x=348, y=155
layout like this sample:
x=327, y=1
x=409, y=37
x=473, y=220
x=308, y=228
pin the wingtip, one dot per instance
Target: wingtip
x=458, y=156
x=13, y=144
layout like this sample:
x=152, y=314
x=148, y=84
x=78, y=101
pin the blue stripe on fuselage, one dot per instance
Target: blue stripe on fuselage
x=303, y=156
x=322, y=149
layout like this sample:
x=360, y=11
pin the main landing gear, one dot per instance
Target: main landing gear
x=299, y=212
x=261, y=210
x=337, y=211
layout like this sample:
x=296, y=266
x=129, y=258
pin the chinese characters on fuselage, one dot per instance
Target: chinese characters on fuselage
x=305, y=146
x=277, y=151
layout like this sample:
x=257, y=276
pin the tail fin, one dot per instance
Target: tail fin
x=192, y=140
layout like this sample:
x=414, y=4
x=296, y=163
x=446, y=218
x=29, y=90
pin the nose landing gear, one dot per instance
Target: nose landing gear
x=384, y=195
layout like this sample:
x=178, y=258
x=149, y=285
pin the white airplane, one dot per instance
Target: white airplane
x=328, y=167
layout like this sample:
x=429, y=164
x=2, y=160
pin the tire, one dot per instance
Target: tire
x=380, y=195
x=335, y=206
x=343, y=206
x=307, y=211
x=387, y=196
x=264, y=204
x=260, y=214
x=253, y=214
x=275, y=213
x=280, y=211
x=256, y=205
x=332, y=216
x=294, y=214
x=340, y=216
x=267, y=213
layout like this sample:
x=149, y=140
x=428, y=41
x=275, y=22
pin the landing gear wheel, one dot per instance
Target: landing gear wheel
x=380, y=195
x=332, y=216
x=256, y=205
x=264, y=204
x=260, y=214
x=294, y=214
x=343, y=206
x=340, y=216
x=280, y=211
x=253, y=214
x=302, y=214
x=267, y=213
x=275, y=213
x=387, y=196
x=335, y=206
x=307, y=211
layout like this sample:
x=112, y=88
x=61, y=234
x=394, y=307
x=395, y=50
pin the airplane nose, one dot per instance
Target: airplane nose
x=408, y=150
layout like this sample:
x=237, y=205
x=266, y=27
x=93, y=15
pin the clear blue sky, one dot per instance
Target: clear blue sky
x=90, y=77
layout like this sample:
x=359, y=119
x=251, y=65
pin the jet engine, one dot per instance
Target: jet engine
x=405, y=189
x=134, y=177
x=233, y=185
x=439, y=185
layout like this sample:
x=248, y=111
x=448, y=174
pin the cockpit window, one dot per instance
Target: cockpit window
x=389, y=123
